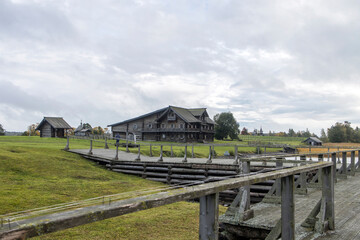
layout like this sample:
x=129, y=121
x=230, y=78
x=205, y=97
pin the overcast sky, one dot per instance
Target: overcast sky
x=278, y=64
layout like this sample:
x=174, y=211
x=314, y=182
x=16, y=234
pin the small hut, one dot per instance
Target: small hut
x=53, y=127
x=81, y=130
x=313, y=141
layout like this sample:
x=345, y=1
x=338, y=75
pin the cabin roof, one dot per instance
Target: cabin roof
x=185, y=114
x=314, y=139
x=55, y=122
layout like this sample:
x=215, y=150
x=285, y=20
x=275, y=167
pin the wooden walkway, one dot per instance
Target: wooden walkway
x=347, y=212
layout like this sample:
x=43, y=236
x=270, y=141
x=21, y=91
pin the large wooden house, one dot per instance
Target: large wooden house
x=172, y=124
x=53, y=127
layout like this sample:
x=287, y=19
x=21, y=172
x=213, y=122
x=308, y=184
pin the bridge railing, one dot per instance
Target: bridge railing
x=208, y=195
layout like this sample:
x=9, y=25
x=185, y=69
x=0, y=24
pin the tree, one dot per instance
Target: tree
x=226, y=126
x=291, y=133
x=2, y=130
x=337, y=133
x=32, y=130
x=98, y=130
x=244, y=131
x=323, y=136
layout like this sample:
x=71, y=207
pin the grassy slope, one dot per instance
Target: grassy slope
x=35, y=172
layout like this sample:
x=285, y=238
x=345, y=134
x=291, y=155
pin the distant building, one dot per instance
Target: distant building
x=53, y=127
x=313, y=141
x=172, y=124
x=81, y=130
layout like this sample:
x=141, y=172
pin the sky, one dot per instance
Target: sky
x=276, y=64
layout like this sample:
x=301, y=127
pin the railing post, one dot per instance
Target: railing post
x=287, y=208
x=246, y=170
x=117, y=152
x=320, y=159
x=106, y=144
x=265, y=150
x=185, y=156
x=150, y=151
x=137, y=159
x=333, y=159
x=343, y=172
x=91, y=147
x=172, y=152
x=236, y=155
x=192, y=151
x=327, y=212
x=358, y=162
x=352, y=163
x=209, y=158
x=303, y=175
x=127, y=145
x=279, y=163
x=209, y=217
x=161, y=154
x=213, y=151
x=67, y=144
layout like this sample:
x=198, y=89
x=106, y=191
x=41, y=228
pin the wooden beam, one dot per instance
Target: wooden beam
x=209, y=217
x=287, y=208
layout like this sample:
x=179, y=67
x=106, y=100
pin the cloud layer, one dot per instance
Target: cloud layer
x=276, y=64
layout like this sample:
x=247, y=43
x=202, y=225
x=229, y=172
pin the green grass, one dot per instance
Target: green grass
x=35, y=172
x=272, y=139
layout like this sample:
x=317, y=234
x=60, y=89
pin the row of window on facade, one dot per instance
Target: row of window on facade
x=173, y=125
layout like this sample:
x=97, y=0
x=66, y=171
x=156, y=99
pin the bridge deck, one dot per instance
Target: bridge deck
x=347, y=212
x=109, y=154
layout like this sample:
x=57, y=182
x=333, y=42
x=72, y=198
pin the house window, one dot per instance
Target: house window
x=163, y=125
x=181, y=125
x=149, y=125
x=172, y=125
x=135, y=126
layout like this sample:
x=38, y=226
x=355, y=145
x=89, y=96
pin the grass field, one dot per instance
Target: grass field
x=35, y=172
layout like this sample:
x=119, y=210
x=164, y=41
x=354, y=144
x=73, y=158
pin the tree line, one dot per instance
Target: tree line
x=341, y=132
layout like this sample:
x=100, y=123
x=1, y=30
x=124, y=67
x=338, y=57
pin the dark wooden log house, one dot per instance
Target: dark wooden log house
x=173, y=124
x=53, y=127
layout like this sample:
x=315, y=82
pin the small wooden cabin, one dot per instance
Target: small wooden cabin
x=53, y=127
x=313, y=141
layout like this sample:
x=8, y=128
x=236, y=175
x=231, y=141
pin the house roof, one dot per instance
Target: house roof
x=55, y=122
x=139, y=117
x=188, y=115
x=184, y=114
x=314, y=139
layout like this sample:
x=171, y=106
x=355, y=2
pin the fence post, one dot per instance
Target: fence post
x=185, y=156
x=192, y=151
x=213, y=151
x=333, y=159
x=327, y=214
x=172, y=152
x=246, y=170
x=209, y=158
x=67, y=144
x=137, y=159
x=358, y=162
x=151, y=150
x=117, y=152
x=209, y=217
x=287, y=208
x=343, y=172
x=303, y=174
x=236, y=155
x=91, y=146
x=127, y=145
x=352, y=163
x=279, y=163
x=161, y=154
x=320, y=159
x=106, y=144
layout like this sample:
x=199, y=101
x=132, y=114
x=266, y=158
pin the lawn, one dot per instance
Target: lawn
x=36, y=172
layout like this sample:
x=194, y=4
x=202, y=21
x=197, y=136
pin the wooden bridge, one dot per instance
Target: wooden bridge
x=321, y=208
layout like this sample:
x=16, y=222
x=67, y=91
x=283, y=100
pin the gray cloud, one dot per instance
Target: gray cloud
x=277, y=64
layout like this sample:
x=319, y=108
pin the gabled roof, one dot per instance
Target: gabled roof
x=197, y=112
x=315, y=139
x=55, y=122
x=209, y=120
x=139, y=117
x=184, y=114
